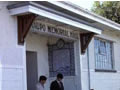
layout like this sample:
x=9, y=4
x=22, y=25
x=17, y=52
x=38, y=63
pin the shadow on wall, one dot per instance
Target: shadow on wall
x=0, y=74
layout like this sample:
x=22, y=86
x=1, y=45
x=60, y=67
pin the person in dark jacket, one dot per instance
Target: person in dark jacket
x=57, y=84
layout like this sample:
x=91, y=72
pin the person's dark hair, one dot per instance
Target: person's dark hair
x=59, y=75
x=42, y=78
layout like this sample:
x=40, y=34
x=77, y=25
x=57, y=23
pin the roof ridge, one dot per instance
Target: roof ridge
x=89, y=12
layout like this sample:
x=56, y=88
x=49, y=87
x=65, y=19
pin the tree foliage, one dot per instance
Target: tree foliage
x=108, y=9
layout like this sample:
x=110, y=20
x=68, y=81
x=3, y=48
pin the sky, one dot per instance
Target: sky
x=87, y=4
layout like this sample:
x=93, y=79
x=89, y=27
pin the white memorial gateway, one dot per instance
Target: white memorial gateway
x=46, y=38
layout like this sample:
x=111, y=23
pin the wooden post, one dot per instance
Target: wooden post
x=85, y=39
x=24, y=24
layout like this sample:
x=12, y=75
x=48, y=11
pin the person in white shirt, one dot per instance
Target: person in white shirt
x=42, y=81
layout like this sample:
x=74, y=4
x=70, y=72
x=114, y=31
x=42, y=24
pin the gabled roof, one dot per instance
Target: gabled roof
x=92, y=17
x=67, y=13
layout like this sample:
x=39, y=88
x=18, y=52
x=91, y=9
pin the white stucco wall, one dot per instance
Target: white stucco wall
x=38, y=43
x=102, y=80
x=13, y=58
x=11, y=54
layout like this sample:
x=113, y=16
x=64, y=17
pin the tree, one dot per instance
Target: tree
x=108, y=9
